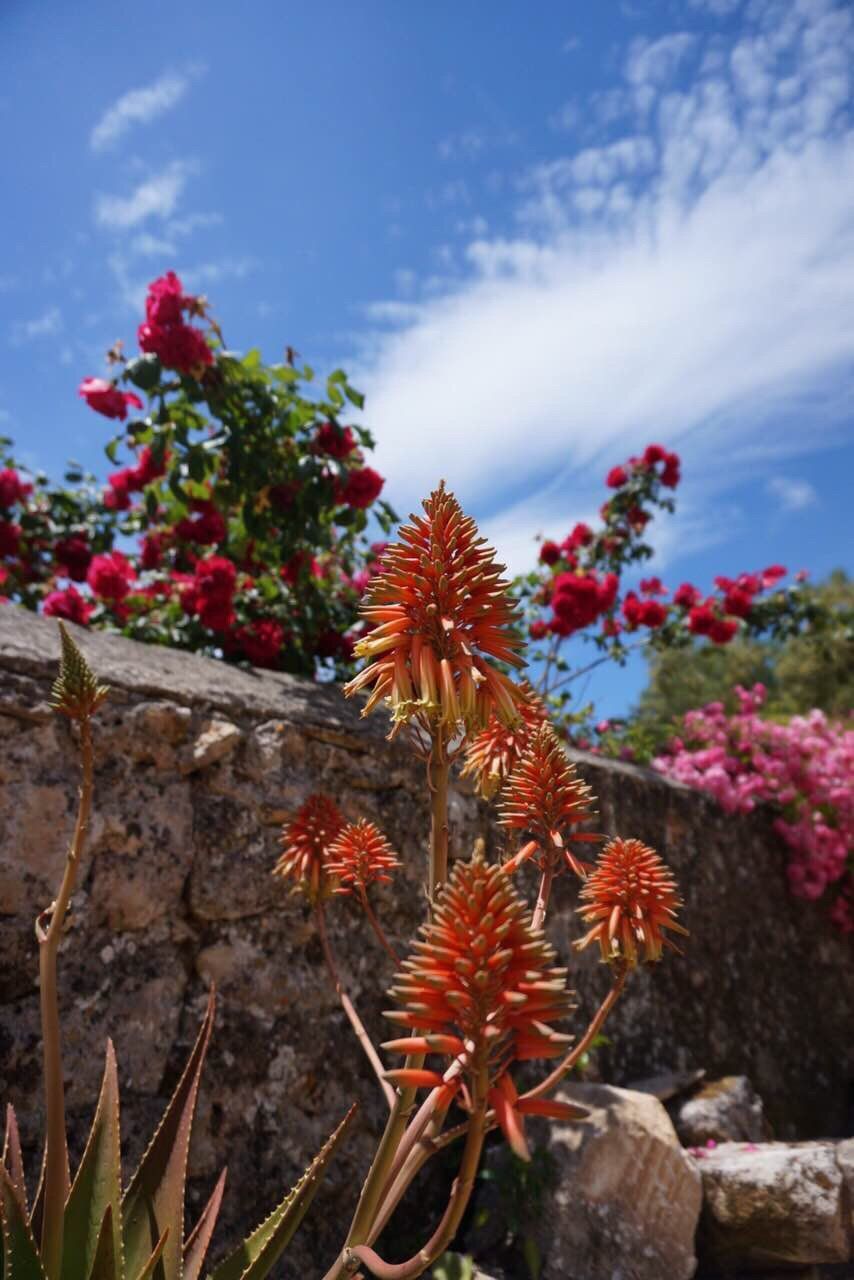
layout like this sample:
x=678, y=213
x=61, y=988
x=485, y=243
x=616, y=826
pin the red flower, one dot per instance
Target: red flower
x=300, y=562
x=723, y=630
x=480, y=985
x=579, y=598
x=629, y=897
x=106, y=398
x=215, y=578
x=10, y=538
x=632, y=608
x=441, y=610
x=581, y=536
x=74, y=555
x=654, y=453
x=334, y=441
x=611, y=627
x=331, y=644
x=178, y=346
x=549, y=553
x=701, y=619
x=653, y=614
x=638, y=518
x=261, y=641
x=361, y=488
x=207, y=529
x=166, y=300
x=305, y=840
x=738, y=602
x=616, y=477
x=12, y=488
x=151, y=555
x=538, y=629
x=773, y=574
x=67, y=604
x=110, y=576
x=492, y=755
x=148, y=468
x=359, y=856
x=283, y=496
x=652, y=587
x=670, y=475
x=545, y=798
x=686, y=596
x=117, y=496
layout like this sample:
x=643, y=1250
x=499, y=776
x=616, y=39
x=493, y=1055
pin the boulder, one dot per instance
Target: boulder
x=778, y=1204
x=627, y=1197
x=726, y=1110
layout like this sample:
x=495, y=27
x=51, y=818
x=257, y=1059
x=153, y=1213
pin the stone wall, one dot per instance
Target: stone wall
x=197, y=764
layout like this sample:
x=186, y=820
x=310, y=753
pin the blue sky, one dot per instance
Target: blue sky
x=538, y=237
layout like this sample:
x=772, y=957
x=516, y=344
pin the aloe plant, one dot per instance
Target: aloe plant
x=91, y=1228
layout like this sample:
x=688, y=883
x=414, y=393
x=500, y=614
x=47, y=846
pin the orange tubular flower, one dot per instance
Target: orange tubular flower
x=482, y=988
x=492, y=755
x=440, y=610
x=306, y=840
x=630, y=897
x=359, y=856
x=545, y=797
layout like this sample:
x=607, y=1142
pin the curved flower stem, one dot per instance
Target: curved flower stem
x=350, y=1009
x=438, y=770
x=555, y=1077
x=543, y=895
x=48, y=933
x=447, y=1228
x=376, y=926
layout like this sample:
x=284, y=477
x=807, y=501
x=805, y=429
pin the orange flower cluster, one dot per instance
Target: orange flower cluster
x=492, y=755
x=630, y=897
x=305, y=843
x=359, y=856
x=440, y=609
x=545, y=797
x=482, y=987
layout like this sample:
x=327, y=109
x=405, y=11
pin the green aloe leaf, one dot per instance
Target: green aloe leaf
x=148, y=1268
x=259, y=1253
x=20, y=1254
x=107, y=1263
x=196, y=1244
x=154, y=1201
x=12, y=1157
x=97, y=1188
x=38, y=1203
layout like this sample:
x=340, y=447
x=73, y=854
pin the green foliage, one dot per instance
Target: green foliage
x=812, y=668
x=453, y=1266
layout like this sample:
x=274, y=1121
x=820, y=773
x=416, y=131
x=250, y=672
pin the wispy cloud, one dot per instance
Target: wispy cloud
x=156, y=197
x=46, y=325
x=140, y=106
x=792, y=494
x=689, y=280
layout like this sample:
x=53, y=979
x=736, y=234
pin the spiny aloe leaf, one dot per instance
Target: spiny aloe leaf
x=20, y=1254
x=154, y=1201
x=12, y=1157
x=148, y=1269
x=37, y=1210
x=196, y=1245
x=97, y=1189
x=107, y=1264
x=259, y=1253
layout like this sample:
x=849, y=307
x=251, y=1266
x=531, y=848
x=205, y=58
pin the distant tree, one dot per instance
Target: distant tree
x=812, y=669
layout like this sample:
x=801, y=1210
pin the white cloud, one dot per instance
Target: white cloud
x=47, y=325
x=792, y=494
x=139, y=106
x=156, y=197
x=688, y=282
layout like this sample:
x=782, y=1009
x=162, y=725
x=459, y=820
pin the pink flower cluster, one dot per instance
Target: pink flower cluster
x=804, y=768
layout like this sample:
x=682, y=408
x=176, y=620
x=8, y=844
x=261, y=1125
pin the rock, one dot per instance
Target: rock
x=845, y=1160
x=776, y=1204
x=217, y=740
x=725, y=1110
x=627, y=1198
x=669, y=1084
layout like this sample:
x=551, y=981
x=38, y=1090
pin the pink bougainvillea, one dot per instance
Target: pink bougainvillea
x=803, y=768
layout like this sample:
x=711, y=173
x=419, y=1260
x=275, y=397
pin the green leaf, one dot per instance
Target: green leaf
x=355, y=397
x=154, y=1201
x=12, y=1157
x=148, y=1269
x=143, y=372
x=196, y=1246
x=111, y=449
x=453, y=1266
x=106, y=1264
x=259, y=1253
x=96, y=1193
x=20, y=1254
